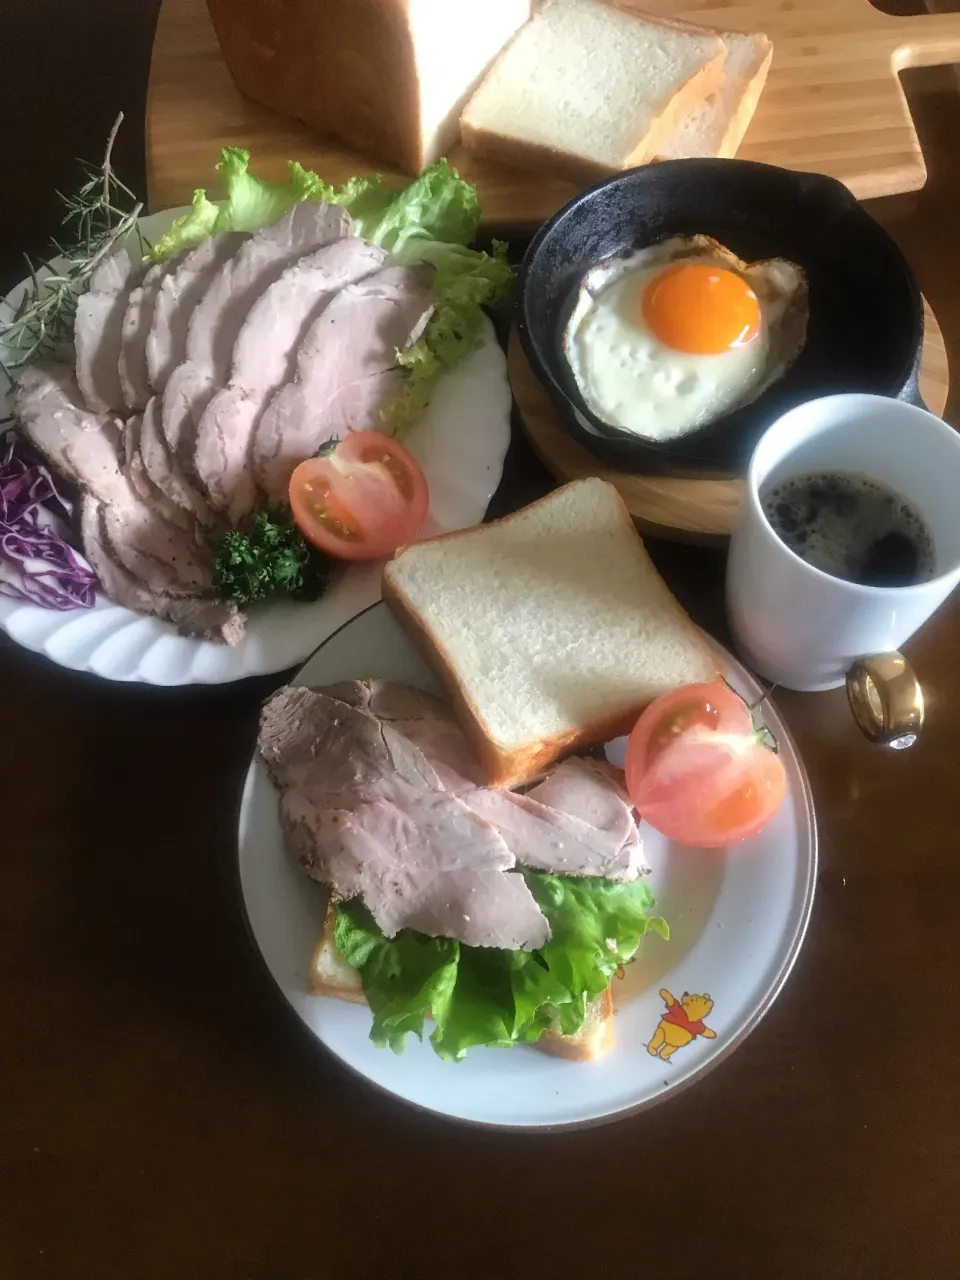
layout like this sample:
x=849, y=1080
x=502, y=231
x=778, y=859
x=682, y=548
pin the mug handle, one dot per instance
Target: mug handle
x=886, y=699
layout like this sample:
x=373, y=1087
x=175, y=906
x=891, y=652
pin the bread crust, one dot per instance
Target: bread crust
x=589, y=1045
x=739, y=120
x=504, y=769
x=519, y=154
x=699, y=86
x=743, y=113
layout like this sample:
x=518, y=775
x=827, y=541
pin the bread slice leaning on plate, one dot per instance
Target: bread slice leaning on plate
x=551, y=628
x=330, y=975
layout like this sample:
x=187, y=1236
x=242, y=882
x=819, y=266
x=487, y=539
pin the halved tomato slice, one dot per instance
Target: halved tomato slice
x=698, y=770
x=362, y=500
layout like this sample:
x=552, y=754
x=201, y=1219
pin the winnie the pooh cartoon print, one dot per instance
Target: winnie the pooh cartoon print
x=681, y=1024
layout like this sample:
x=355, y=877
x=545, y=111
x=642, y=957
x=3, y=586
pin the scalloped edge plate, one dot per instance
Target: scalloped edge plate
x=461, y=443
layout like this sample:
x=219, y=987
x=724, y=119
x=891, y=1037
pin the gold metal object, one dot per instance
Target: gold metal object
x=886, y=699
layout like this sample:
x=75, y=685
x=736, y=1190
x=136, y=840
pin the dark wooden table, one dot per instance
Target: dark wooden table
x=161, y=1114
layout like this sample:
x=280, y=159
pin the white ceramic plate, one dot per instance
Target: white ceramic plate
x=737, y=921
x=460, y=443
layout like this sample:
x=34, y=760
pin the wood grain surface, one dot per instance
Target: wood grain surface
x=164, y=1117
x=687, y=510
x=833, y=104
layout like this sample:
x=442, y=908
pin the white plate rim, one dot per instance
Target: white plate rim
x=806, y=829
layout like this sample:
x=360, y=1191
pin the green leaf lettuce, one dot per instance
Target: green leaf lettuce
x=250, y=203
x=485, y=996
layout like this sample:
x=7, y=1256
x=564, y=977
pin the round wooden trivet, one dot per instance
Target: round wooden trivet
x=684, y=510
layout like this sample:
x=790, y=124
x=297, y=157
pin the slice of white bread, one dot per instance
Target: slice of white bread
x=389, y=77
x=330, y=975
x=550, y=628
x=716, y=127
x=586, y=89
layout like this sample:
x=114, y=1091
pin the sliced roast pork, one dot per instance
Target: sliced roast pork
x=137, y=322
x=84, y=447
x=346, y=371
x=264, y=358
x=167, y=558
x=136, y=473
x=98, y=330
x=577, y=822
x=219, y=315
x=363, y=812
x=165, y=471
x=208, y=619
x=177, y=296
x=427, y=721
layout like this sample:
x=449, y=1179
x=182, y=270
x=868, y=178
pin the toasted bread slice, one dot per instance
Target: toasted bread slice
x=586, y=88
x=550, y=628
x=330, y=975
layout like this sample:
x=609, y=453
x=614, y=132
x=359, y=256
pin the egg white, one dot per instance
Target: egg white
x=630, y=379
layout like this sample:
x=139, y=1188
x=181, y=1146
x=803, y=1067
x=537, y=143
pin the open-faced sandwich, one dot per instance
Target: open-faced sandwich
x=483, y=857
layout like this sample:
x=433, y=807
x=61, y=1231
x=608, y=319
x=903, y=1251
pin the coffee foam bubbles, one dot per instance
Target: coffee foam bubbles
x=851, y=527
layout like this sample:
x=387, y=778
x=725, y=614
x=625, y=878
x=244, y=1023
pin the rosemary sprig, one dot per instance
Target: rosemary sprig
x=94, y=221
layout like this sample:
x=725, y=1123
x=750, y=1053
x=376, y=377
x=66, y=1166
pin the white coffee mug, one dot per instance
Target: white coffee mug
x=805, y=629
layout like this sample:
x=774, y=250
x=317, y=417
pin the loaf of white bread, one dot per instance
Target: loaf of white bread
x=579, y=87
x=551, y=628
x=588, y=87
x=388, y=77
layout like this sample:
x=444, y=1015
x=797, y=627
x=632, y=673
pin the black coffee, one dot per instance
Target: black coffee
x=852, y=527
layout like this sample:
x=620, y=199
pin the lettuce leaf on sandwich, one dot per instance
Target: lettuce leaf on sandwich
x=484, y=996
x=433, y=220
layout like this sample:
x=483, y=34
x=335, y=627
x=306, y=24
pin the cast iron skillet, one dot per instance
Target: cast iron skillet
x=865, y=331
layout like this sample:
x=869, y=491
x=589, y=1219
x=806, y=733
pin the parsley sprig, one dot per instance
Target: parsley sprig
x=267, y=557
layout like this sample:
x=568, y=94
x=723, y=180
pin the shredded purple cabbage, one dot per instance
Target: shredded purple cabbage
x=37, y=563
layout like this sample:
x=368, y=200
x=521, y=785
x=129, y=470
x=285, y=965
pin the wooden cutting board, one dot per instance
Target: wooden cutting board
x=832, y=104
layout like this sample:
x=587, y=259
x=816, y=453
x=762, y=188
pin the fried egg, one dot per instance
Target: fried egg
x=671, y=337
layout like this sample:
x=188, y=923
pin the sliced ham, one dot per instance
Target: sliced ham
x=177, y=296
x=364, y=812
x=98, y=331
x=264, y=358
x=208, y=619
x=137, y=322
x=346, y=371
x=219, y=315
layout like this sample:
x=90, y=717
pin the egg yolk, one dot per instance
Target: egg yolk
x=703, y=309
